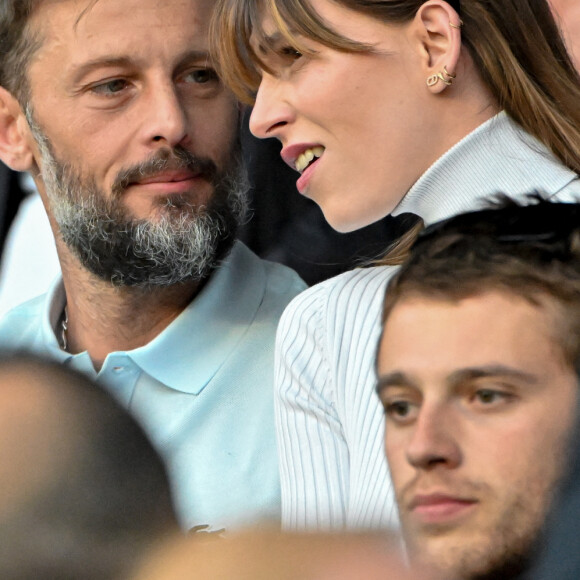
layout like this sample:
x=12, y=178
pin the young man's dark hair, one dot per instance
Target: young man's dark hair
x=532, y=251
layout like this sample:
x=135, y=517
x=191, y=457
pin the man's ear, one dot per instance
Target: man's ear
x=15, y=148
x=439, y=31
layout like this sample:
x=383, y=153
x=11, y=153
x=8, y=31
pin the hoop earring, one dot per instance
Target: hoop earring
x=455, y=25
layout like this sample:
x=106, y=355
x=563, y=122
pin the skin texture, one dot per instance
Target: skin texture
x=568, y=14
x=478, y=404
x=380, y=125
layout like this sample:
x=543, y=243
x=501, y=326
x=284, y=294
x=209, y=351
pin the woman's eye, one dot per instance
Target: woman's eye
x=110, y=88
x=201, y=76
x=290, y=52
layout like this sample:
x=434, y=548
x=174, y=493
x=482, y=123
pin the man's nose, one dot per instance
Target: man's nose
x=435, y=439
x=272, y=111
x=168, y=120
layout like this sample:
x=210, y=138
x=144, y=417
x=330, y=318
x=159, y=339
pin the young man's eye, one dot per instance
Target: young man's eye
x=400, y=411
x=491, y=397
x=110, y=88
x=201, y=76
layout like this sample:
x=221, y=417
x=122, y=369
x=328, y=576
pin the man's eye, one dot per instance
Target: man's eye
x=201, y=76
x=491, y=396
x=400, y=411
x=111, y=87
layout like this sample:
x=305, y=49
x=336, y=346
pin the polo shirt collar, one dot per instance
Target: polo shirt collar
x=206, y=332
x=190, y=351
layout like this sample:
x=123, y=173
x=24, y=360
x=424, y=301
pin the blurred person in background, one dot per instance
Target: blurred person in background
x=278, y=556
x=83, y=493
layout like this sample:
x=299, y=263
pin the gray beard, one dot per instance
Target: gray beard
x=185, y=243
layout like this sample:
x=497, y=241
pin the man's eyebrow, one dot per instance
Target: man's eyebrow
x=86, y=67
x=458, y=377
x=110, y=61
x=394, y=379
x=489, y=371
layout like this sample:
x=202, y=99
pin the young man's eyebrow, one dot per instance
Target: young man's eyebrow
x=489, y=371
x=458, y=377
x=394, y=379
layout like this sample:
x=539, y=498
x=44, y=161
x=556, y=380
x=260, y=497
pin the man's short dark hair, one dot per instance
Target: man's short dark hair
x=17, y=45
x=109, y=500
x=530, y=249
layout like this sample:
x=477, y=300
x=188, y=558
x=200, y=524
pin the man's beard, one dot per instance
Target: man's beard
x=184, y=243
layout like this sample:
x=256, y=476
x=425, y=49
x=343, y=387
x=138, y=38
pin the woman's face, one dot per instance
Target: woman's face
x=363, y=119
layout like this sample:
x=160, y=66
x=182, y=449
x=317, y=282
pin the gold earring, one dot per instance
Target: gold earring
x=444, y=76
x=432, y=80
x=455, y=25
x=450, y=76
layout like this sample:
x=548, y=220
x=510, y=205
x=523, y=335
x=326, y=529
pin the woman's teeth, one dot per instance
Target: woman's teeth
x=304, y=159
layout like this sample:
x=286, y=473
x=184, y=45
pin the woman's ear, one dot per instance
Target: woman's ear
x=439, y=30
x=15, y=150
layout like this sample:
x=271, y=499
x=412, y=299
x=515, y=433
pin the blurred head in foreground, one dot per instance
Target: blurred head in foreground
x=82, y=492
x=279, y=556
x=477, y=374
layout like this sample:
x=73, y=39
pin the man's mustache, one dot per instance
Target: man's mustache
x=164, y=160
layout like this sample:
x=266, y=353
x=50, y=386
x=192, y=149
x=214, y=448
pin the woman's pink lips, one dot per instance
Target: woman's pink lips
x=304, y=179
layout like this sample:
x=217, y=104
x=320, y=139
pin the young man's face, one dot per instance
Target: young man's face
x=133, y=132
x=478, y=403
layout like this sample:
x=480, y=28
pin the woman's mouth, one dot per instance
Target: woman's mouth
x=307, y=157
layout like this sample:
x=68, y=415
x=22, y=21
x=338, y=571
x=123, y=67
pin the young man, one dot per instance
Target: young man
x=477, y=375
x=114, y=108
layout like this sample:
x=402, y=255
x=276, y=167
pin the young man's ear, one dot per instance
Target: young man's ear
x=439, y=31
x=15, y=148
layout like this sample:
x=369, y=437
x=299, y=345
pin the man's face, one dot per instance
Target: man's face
x=478, y=403
x=132, y=122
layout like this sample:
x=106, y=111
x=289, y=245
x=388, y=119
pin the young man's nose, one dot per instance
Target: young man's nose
x=434, y=440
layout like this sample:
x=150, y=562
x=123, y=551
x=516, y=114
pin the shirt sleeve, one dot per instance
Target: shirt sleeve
x=313, y=453
x=330, y=424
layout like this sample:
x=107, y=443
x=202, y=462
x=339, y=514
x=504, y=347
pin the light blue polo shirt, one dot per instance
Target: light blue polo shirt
x=202, y=389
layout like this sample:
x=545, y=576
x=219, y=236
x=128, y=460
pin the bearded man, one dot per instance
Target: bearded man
x=116, y=111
